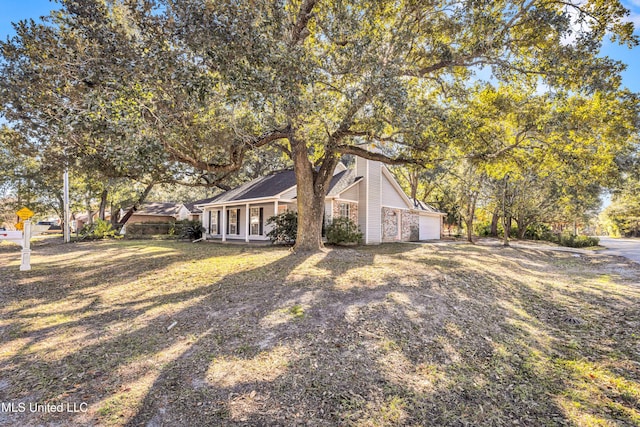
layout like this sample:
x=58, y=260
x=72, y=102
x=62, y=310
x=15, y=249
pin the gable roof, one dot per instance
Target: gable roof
x=193, y=207
x=422, y=206
x=276, y=184
x=259, y=188
x=342, y=181
x=159, y=208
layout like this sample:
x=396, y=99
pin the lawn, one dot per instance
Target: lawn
x=167, y=333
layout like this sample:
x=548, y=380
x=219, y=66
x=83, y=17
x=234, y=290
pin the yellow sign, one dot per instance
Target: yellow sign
x=25, y=213
x=20, y=226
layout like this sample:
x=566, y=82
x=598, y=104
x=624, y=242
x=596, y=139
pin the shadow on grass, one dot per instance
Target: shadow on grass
x=368, y=336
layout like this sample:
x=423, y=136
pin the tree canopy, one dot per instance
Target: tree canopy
x=192, y=86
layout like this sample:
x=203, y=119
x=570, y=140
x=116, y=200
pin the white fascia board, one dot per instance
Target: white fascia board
x=239, y=202
x=427, y=213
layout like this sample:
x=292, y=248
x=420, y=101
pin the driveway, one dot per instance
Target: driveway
x=629, y=248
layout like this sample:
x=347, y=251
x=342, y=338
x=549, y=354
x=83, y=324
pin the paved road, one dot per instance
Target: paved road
x=629, y=248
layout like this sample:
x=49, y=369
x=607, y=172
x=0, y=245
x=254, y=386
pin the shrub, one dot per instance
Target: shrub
x=573, y=241
x=100, y=229
x=285, y=228
x=537, y=231
x=187, y=229
x=139, y=229
x=482, y=229
x=343, y=231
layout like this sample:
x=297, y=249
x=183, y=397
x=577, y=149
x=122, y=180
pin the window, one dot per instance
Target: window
x=255, y=221
x=233, y=221
x=213, y=223
x=345, y=210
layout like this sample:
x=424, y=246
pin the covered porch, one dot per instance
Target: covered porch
x=246, y=221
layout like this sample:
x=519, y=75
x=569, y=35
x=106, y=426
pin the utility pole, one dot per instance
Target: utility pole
x=504, y=211
x=66, y=216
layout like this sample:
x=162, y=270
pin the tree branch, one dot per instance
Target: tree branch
x=366, y=154
x=299, y=31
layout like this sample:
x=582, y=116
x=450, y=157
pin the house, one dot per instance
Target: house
x=367, y=193
x=80, y=220
x=158, y=212
x=194, y=212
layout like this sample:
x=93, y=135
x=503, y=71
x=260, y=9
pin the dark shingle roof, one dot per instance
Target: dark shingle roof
x=268, y=186
x=274, y=184
x=341, y=181
x=422, y=206
x=191, y=206
x=159, y=208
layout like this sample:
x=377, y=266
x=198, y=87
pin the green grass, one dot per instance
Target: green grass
x=375, y=336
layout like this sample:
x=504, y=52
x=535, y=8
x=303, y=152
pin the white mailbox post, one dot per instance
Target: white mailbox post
x=23, y=239
x=25, y=264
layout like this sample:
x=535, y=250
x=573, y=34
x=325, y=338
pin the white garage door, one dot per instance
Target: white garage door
x=429, y=227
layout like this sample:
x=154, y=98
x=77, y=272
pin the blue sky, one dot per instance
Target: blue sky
x=15, y=10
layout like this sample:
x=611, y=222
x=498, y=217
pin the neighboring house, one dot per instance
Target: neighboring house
x=80, y=220
x=194, y=212
x=368, y=194
x=158, y=212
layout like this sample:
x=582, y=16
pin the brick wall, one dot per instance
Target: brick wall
x=408, y=222
x=353, y=210
x=410, y=227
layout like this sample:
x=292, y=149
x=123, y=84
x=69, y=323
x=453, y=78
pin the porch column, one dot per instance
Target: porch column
x=275, y=208
x=224, y=223
x=205, y=223
x=246, y=223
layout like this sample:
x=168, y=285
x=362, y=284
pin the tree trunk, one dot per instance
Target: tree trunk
x=506, y=224
x=312, y=187
x=522, y=231
x=494, y=224
x=471, y=212
x=469, y=223
x=103, y=204
x=507, y=230
x=89, y=213
x=137, y=204
x=522, y=228
x=413, y=183
x=60, y=210
x=114, y=215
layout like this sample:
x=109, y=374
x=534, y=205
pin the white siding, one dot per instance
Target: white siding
x=289, y=194
x=361, y=170
x=369, y=197
x=390, y=196
x=267, y=212
x=374, y=210
x=350, y=194
x=242, y=224
x=183, y=213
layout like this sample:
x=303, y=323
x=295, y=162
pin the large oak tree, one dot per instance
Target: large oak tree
x=206, y=81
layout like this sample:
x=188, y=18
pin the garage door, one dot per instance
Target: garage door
x=429, y=227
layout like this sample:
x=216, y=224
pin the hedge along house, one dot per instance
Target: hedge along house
x=368, y=194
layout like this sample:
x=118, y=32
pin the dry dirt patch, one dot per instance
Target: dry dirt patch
x=166, y=333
